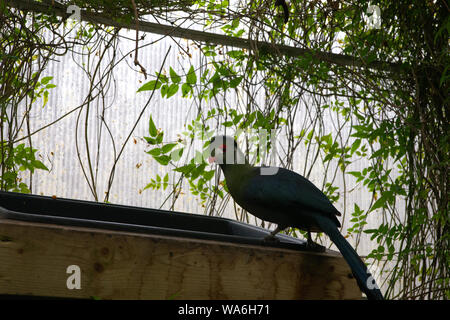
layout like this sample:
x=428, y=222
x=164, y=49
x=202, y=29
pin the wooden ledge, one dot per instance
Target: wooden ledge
x=120, y=265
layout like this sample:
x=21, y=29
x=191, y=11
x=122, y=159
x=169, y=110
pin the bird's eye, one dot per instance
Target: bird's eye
x=223, y=147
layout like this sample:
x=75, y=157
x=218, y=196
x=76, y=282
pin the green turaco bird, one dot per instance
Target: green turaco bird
x=287, y=199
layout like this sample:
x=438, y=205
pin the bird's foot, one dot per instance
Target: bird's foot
x=311, y=245
x=271, y=239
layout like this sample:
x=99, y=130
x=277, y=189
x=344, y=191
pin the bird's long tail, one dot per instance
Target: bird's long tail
x=363, y=277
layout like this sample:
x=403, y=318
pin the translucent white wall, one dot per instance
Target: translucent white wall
x=56, y=144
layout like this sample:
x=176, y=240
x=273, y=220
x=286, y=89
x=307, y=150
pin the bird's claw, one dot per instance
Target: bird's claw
x=310, y=245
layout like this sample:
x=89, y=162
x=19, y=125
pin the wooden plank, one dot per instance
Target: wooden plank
x=119, y=265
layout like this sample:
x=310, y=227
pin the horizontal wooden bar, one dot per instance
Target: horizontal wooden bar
x=34, y=258
x=208, y=37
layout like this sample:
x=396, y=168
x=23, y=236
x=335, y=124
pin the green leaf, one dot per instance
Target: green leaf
x=197, y=171
x=150, y=185
x=356, y=174
x=159, y=137
x=174, y=76
x=237, y=119
x=235, y=23
x=208, y=174
x=309, y=136
x=164, y=159
x=152, y=128
x=45, y=98
x=24, y=188
x=164, y=89
x=191, y=77
x=150, y=140
x=235, y=54
x=154, y=152
x=45, y=80
x=168, y=147
x=186, y=169
x=162, y=77
x=355, y=145
x=185, y=89
x=328, y=157
x=239, y=33
x=357, y=209
x=361, y=131
x=38, y=165
x=379, y=203
x=235, y=82
x=172, y=90
x=176, y=154
x=328, y=139
x=149, y=86
x=165, y=181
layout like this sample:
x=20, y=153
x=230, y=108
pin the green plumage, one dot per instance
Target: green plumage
x=286, y=198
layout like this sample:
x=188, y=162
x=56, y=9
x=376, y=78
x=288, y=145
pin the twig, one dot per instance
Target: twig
x=136, y=61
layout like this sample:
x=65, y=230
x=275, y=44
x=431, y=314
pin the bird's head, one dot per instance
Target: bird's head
x=225, y=151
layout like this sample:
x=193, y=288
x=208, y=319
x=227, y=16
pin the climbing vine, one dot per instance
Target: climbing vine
x=364, y=104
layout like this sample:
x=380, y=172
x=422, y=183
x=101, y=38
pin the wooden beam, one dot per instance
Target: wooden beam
x=119, y=265
x=211, y=38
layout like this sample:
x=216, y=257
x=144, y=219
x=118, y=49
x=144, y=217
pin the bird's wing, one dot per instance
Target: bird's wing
x=288, y=189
